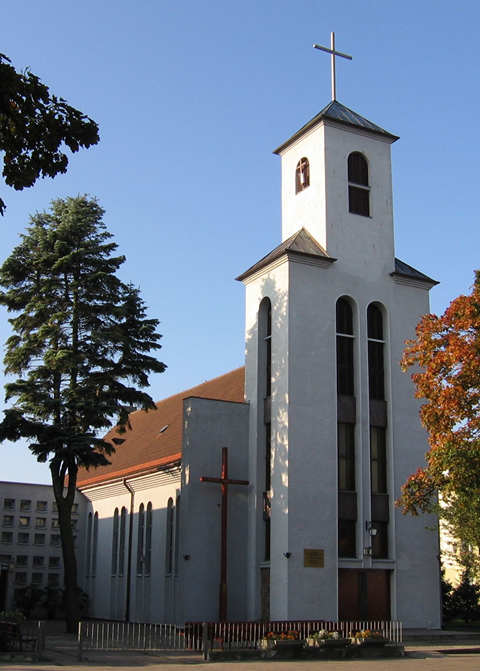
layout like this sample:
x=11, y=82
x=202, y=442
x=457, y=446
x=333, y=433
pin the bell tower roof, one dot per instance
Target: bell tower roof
x=337, y=112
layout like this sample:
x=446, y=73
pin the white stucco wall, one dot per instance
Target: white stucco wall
x=210, y=425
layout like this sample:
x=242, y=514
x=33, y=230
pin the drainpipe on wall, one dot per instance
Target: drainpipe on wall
x=129, y=556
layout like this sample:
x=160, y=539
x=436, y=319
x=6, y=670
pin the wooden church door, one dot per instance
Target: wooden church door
x=363, y=594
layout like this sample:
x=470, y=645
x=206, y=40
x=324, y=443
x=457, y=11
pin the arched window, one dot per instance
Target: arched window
x=177, y=531
x=345, y=340
x=347, y=502
x=121, y=544
x=115, y=543
x=148, y=540
x=140, y=539
x=302, y=175
x=169, y=537
x=95, y=545
x=265, y=379
x=378, y=436
x=375, y=352
x=358, y=187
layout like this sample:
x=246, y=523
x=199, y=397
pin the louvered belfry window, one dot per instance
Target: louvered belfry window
x=358, y=187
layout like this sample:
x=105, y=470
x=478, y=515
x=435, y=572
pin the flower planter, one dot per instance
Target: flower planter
x=335, y=642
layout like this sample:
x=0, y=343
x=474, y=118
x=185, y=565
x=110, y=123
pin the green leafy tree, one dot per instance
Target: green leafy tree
x=34, y=126
x=80, y=351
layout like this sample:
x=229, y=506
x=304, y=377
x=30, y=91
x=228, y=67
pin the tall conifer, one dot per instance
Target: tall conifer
x=79, y=351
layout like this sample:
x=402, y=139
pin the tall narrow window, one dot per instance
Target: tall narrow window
x=121, y=544
x=358, y=188
x=140, y=538
x=347, y=498
x=169, y=537
x=302, y=175
x=378, y=442
x=95, y=545
x=148, y=540
x=177, y=532
x=89, y=543
x=265, y=389
x=376, y=373
x=345, y=372
x=115, y=543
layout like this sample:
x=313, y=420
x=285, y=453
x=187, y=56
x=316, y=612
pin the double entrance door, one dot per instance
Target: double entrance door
x=364, y=594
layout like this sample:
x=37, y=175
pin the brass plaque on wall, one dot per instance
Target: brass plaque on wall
x=313, y=558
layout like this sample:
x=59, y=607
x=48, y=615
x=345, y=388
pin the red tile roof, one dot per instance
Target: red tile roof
x=145, y=446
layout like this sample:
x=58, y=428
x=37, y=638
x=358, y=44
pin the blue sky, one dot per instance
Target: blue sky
x=192, y=97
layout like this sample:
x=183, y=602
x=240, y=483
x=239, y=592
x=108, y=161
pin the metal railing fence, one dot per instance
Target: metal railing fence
x=195, y=636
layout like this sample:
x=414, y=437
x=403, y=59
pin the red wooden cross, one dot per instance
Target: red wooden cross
x=224, y=480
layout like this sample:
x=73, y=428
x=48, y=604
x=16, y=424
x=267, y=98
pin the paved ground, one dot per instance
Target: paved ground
x=61, y=655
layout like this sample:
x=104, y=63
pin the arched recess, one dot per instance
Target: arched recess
x=302, y=175
x=346, y=419
x=380, y=506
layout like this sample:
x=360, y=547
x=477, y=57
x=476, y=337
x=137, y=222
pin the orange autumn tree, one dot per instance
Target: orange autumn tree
x=446, y=354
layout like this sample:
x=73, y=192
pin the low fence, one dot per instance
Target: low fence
x=198, y=636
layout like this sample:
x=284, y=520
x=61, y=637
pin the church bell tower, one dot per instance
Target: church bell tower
x=334, y=427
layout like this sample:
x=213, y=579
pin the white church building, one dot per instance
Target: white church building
x=321, y=423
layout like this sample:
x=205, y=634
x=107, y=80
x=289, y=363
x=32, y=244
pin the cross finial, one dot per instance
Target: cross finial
x=333, y=53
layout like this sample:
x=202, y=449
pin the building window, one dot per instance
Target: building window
x=37, y=579
x=23, y=521
x=378, y=460
x=8, y=521
x=38, y=560
x=55, y=540
x=302, y=175
x=25, y=505
x=346, y=538
x=121, y=545
x=140, y=539
x=115, y=542
x=20, y=578
x=9, y=504
x=22, y=560
x=376, y=373
x=89, y=543
x=265, y=375
x=95, y=544
x=148, y=540
x=55, y=523
x=23, y=538
x=41, y=522
x=169, y=537
x=177, y=531
x=358, y=188
x=39, y=539
x=345, y=342
x=42, y=506
x=53, y=580
x=346, y=485
x=346, y=457
x=53, y=562
x=74, y=508
x=7, y=537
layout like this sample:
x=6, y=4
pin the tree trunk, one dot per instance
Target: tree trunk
x=64, y=505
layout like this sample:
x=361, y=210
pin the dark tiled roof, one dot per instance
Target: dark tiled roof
x=301, y=243
x=338, y=112
x=155, y=438
x=404, y=270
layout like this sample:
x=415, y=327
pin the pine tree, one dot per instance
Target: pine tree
x=79, y=351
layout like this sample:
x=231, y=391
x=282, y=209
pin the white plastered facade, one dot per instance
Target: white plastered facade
x=303, y=290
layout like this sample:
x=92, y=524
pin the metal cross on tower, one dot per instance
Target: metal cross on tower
x=223, y=480
x=333, y=53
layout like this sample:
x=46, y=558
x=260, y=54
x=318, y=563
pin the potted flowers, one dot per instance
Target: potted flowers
x=367, y=637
